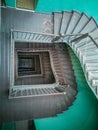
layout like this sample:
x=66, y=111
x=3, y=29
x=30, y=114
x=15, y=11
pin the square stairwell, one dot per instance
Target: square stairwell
x=31, y=70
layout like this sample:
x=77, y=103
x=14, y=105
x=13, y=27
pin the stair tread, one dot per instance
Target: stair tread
x=90, y=26
x=94, y=33
x=65, y=20
x=73, y=22
x=57, y=22
x=81, y=23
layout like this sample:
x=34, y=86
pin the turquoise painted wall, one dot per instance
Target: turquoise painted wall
x=11, y=3
x=88, y=6
x=8, y=126
x=82, y=115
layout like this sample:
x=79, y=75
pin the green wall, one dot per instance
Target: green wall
x=82, y=115
x=11, y=3
x=88, y=6
x=8, y=126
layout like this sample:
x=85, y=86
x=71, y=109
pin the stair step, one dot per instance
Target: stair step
x=55, y=57
x=58, y=107
x=94, y=82
x=57, y=22
x=69, y=72
x=41, y=91
x=28, y=36
x=85, y=55
x=67, y=100
x=18, y=92
x=92, y=75
x=63, y=55
x=71, y=97
x=51, y=90
x=67, y=67
x=81, y=23
x=69, y=77
x=79, y=45
x=29, y=92
x=71, y=83
x=58, y=72
x=94, y=34
x=90, y=52
x=60, y=89
x=48, y=91
x=90, y=26
x=85, y=44
x=95, y=86
x=64, y=105
x=91, y=65
x=34, y=92
x=73, y=22
x=24, y=93
x=87, y=59
x=84, y=49
x=38, y=92
x=45, y=91
x=65, y=21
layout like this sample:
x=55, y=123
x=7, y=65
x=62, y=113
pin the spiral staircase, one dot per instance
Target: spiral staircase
x=80, y=33
x=63, y=29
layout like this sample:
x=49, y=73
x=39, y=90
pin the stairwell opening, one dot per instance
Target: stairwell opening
x=28, y=64
x=32, y=65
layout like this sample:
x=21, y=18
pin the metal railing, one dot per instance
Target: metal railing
x=83, y=45
x=21, y=35
x=86, y=49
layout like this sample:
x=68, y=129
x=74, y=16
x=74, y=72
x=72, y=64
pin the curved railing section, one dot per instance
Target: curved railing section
x=80, y=32
x=73, y=28
x=86, y=50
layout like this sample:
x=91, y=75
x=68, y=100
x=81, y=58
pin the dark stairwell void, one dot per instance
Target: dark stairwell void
x=32, y=70
x=41, y=68
x=32, y=66
x=43, y=74
x=28, y=64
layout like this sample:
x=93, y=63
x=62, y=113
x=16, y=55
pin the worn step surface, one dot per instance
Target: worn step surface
x=65, y=21
x=73, y=22
x=55, y=30
x=57, y=22
x=81, y=23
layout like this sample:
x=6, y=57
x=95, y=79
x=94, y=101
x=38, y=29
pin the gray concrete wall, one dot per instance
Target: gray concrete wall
x=23, y=20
